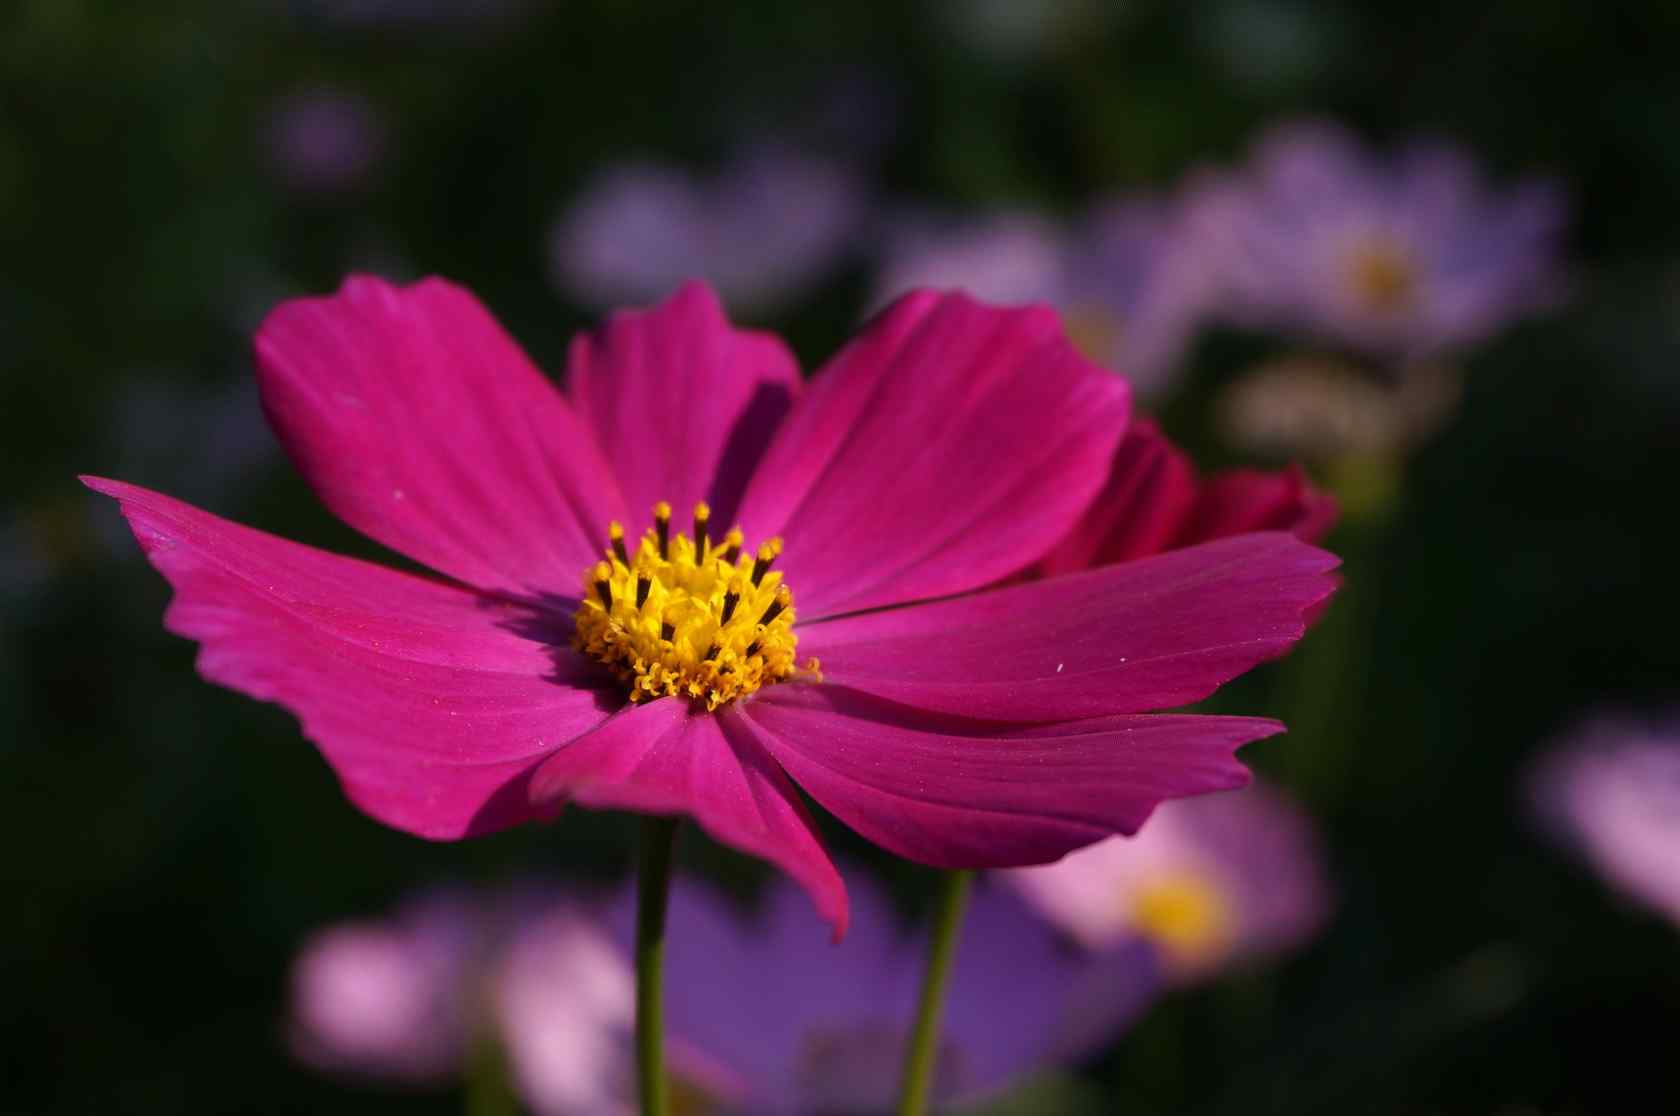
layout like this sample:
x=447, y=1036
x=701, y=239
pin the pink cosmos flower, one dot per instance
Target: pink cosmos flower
x=1401, y=255
x=406, y=997
x=1132, y=277
x=1153, y=502
x=564, y=1002
x=388, y=998
x=1612, y=792
x=1209, y=880
x=949, y=446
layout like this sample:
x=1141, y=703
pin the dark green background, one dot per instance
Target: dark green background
x=165, y=843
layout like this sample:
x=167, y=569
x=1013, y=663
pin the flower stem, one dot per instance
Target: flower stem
x=942, y=949
x=489, y=1093
x=653, y=892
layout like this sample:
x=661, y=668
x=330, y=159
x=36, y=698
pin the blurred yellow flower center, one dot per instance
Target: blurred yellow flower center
x=1381, y=275
x=1185, y=914
x=1094, y=331
x=688, y=617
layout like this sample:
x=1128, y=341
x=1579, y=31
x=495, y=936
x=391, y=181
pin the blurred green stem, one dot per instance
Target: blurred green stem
x=1326, y=679
x=489, y=1092
x=653, y=892
x=942, y=949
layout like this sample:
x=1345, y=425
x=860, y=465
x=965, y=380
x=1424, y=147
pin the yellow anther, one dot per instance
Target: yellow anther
x=767, y=553
x=732, y=545
x=662, y=527
x=784, y=598
x=702, y=516
x=615, y=532
x=680, y=618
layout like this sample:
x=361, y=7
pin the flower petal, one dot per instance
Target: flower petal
x=948, y=446
x=1156, y=633
x=659, y=758
x=431, y=703
x=1241, y=500
x=1150, y=491
x=419, y=422
x=682, y=404
x=958, y=793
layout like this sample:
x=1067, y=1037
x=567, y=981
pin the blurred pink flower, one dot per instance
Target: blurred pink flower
x=1399, y=257
x=1210, y=880
x=1612, y=791
x=411, y=997
x=948, y=447
x=388, y=998
x=564, y=996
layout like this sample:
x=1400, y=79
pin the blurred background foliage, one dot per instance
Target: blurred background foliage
x=166, y=843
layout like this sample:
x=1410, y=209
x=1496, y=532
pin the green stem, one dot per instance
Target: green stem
x=924, y=1041
x=489, y=1093
x=653, y=892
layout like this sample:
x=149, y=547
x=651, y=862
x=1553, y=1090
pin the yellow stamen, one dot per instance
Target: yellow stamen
x=732, y=545
x=767, y=553
x=662, y=527
x=702, y=516
x=679, y=618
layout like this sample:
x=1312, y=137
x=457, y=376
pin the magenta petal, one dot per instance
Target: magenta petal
x=958, y=793
x=1149, y=494
x=681, y=403
x=1156, y=633
x=660, y=758
x=1241, y=500
x=948, y=446
x=432, y=704
x=419, y=422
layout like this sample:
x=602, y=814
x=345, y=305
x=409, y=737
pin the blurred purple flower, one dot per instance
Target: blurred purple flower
x=1210, y=881
x=763, y=230
x=389, y=998
x=1130, y=282
x=1396, y=257
x=772, y=1018
x=323, y=140
x=764, y=1014
x=1613, y=792
x=1008, y=257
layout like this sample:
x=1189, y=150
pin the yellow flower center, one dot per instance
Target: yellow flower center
x=1381, y=275
x=688, y=617
x=1094, y=331
x=1185, y=914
